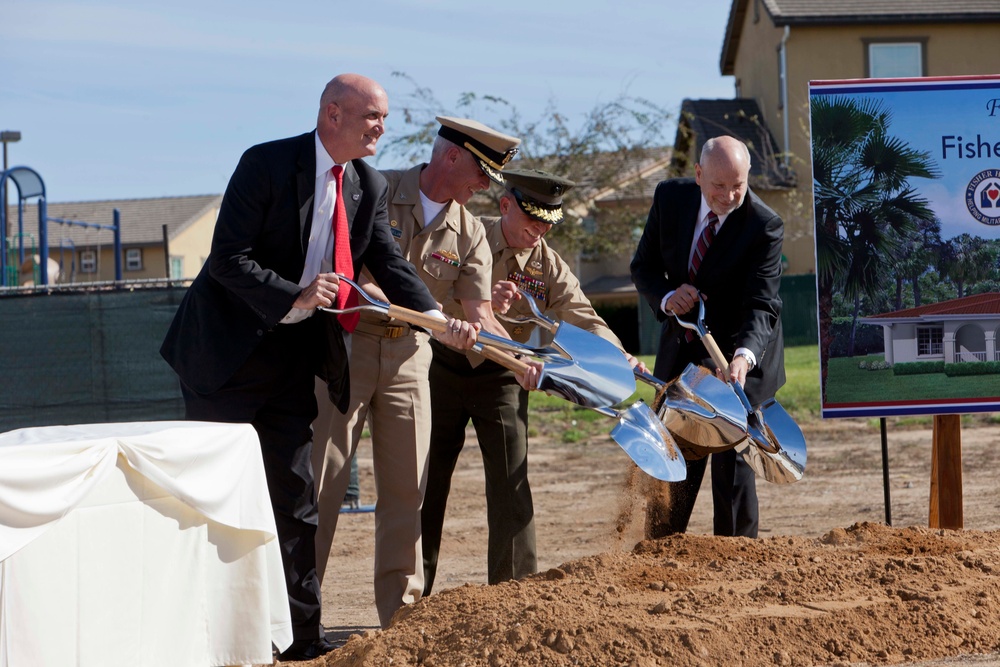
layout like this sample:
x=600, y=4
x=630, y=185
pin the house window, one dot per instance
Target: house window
x=133, y=259
x=895, y=59
x=88, y=261
x=930, y=341
x=176, y=267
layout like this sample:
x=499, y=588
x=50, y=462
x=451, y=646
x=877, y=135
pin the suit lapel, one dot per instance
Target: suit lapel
x=352, y=193
x=727, y=241
x=305, y=186
x=688, y=220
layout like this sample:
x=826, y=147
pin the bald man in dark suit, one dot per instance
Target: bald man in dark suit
x=738, y=271
x=247, y=339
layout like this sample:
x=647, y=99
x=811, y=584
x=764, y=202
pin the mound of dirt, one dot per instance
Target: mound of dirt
x=868, y=593
x=803, y=594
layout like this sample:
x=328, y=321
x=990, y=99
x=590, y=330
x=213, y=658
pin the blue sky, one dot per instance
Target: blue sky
x=923, y=118
x=120, y=99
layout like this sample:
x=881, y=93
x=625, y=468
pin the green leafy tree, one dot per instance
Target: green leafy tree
x=864, y=205
x=604, y=152
x=967, y=260
x=917, y=253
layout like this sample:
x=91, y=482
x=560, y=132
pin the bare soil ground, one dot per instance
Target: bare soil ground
x=828, y=583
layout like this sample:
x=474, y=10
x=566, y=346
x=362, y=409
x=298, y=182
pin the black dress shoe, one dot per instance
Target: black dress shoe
x=306, y=649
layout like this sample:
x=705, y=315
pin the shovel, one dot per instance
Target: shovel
x=700, y=411
x=776, y=449
x=638, y=431
x=604, y=382
x=696, y=411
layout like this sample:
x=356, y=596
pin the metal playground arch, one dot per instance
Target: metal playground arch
x=29, y=184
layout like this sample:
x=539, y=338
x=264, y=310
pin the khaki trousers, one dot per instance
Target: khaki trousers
x=390, y=391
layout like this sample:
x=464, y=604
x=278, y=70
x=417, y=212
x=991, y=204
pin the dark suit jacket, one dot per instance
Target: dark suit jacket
x=250, y=280
x=739, y=276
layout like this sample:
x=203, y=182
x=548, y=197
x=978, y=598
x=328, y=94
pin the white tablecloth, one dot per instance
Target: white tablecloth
x=140, y=544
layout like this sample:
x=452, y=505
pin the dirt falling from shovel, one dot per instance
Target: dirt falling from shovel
x=643, y=493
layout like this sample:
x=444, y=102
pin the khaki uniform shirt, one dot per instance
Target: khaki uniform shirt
x=451, y=254
x=540, y=272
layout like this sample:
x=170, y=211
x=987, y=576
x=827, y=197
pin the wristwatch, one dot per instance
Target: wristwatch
x=746, y=356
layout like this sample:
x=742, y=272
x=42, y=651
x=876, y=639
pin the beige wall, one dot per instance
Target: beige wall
x=194, y=243
x=828, y=52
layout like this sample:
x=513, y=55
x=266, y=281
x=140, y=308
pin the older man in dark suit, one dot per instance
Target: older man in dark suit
x=247, y=339
x=713, y=236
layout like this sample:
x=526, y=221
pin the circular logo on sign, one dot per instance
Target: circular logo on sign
x=982, y=197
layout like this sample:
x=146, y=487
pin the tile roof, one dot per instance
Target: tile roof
x=740, y=118
x=142, y=220
x=856, y=12
x=790, y=12
x=977, y=304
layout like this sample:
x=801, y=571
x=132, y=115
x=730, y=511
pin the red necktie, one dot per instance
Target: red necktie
x=342, y=262
x=704, y=241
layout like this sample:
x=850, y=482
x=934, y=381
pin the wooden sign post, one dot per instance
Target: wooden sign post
x=946, y=473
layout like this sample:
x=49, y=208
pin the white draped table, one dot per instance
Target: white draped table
x=139, y=544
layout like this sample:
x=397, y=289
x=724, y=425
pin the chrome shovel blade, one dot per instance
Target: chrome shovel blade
x=701, y=411
x=782, y=463
x=645, y=440
x=598, y=356
x=587, y=386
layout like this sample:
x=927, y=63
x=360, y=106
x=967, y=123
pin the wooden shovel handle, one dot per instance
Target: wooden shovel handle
x=439, y=325
x=504, y=359
x=420, y=319
x=718, y=358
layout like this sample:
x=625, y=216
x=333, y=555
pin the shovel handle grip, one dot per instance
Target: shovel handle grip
x=504, y=359
x=420, y=319
x=435, y=324
x=718, y=358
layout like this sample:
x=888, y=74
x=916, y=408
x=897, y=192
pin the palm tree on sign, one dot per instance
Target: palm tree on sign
x=864, y=205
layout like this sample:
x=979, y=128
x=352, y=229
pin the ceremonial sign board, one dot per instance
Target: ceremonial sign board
x=906, y=186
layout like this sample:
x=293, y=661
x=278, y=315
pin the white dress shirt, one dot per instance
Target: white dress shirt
x=319, y=254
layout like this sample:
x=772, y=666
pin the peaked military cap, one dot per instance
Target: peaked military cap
x=538, y=193
x=491, y=149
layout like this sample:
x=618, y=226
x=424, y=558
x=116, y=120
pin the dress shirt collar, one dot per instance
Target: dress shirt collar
x=703, y=212
x=324, y=163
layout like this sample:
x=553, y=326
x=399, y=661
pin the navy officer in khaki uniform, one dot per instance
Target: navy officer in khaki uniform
x=489, y=395
x=389, y=360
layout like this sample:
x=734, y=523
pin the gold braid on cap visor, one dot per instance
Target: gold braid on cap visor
x=553, y=216
x=507, y=157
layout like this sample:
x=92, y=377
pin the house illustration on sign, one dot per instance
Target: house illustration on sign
x=962, y=329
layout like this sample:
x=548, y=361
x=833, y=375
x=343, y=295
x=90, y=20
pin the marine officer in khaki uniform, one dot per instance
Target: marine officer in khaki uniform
x=488, y=394
x=389, y=360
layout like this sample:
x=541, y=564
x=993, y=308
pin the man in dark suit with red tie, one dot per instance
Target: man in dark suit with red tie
x=247, y=339
x=713, y=236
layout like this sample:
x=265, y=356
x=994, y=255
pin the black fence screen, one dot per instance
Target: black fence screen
x=79, y=357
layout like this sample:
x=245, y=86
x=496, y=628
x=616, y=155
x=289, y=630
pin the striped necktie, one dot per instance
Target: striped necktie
x=704, y=241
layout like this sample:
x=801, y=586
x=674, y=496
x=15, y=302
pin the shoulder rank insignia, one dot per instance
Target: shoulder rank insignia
x=531, y=286
x=446, y=257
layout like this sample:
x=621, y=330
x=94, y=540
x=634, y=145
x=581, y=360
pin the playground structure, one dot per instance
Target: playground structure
x=12, y=247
